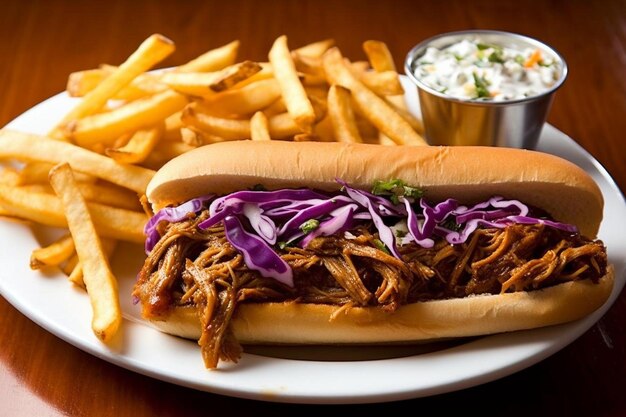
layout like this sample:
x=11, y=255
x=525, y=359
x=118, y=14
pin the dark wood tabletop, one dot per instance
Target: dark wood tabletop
x=41, y=42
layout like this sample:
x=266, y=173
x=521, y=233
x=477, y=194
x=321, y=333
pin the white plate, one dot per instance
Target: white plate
x=273, y=374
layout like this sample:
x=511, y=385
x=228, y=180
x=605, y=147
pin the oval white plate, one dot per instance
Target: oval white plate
x=352, y=375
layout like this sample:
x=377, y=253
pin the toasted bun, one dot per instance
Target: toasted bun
x=469, y=174
x=293, y=323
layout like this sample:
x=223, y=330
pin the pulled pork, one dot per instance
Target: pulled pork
x=190, y=266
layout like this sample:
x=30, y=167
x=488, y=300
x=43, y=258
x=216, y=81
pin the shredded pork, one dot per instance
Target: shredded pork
x=189, y=266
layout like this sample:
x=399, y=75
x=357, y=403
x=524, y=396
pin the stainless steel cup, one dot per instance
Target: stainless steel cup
x=453, y=121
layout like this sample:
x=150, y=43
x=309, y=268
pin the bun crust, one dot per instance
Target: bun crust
x=293, y=323
x=468, y=174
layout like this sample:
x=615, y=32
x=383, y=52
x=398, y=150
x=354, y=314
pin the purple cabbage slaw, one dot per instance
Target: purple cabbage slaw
x=256, y=221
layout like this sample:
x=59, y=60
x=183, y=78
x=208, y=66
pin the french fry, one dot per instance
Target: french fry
x=342, y=116
x=190, y=83
x=105, y=127
x=191, y=137
x=81, y=83
x=213, y=60
x=358, y=67
x=234, y=74
x=373, y=107
x=398, y=103
x=245, y=100
x=385, y=140
x=34, y=173
x=150, y=52
x=54, y=254
x=70, y=264
x=296, y=100
x=138, y=147
x=75, y=275
x=307, y=64
x=37, y=173
x=104, y=193
x=171, y=127
x=266, y=72
x=313, y=80
x=281, y=126
x=46, y=209
x=229, y=129
x=110, y=195
x=315, y=49
x=259, y=129
x=209, y=83
x=9, y=176
x=164, y=151
x=305, y=137
x=275, y=108
x=324, y=130
x=99, y=280
x=379, y=56
x=384, y=83
x=30, y=147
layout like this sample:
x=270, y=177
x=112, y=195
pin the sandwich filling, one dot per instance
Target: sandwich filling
x=349, y=249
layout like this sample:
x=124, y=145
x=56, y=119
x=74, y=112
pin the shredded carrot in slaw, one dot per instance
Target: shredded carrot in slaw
x=533, y=59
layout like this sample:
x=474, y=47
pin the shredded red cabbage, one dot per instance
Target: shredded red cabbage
x=256, y=253
x=255, y=222
x=172, y=215
x=375, y=205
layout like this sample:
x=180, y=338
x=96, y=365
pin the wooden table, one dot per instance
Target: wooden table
x=41, y=42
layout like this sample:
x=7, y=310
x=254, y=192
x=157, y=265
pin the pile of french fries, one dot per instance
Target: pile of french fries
x=89, y=173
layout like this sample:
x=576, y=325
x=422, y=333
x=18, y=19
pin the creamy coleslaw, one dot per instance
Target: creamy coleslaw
x=476, y=70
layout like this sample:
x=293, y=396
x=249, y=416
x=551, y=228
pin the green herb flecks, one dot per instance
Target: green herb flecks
x=481, y=86
x=497, y=56
x=283, y=245
x=381, y=246
x=309, y=225
x=400, y=233
x=394, y=189
x=450, y=224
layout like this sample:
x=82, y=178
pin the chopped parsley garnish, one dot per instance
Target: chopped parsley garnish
x=497, y=56
x=380, y=245
x=309, y=225
x=394, y=189
x=450, y=224
x=283, y=245
x=481, y=86
x=400, y=233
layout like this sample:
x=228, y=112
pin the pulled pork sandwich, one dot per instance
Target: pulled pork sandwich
x=331, y=243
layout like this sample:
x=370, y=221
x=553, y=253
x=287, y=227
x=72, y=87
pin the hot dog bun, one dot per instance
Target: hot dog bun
x=469, y=174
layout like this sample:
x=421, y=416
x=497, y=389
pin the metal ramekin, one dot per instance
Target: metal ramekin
x=454, y=121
